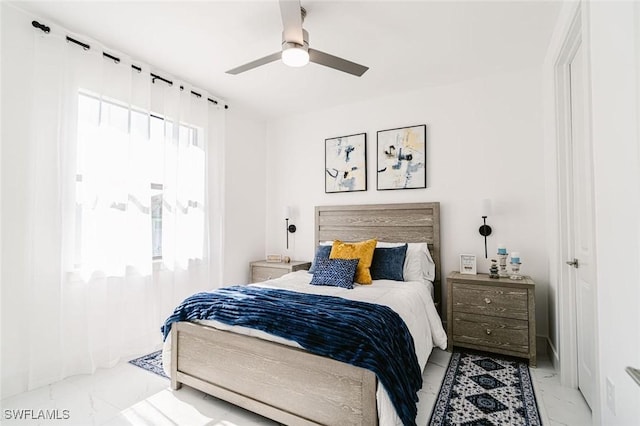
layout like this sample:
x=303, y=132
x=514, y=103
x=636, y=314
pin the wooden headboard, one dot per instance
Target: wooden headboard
x=411, y=223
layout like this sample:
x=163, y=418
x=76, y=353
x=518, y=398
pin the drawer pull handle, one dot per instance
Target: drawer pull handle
x=488, y=331
x=487, y=300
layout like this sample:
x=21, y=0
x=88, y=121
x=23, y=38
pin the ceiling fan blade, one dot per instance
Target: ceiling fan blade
x=291, y=21
x=336, y=63
x=254, y=64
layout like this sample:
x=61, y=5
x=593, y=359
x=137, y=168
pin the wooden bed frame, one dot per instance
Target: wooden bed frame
x=290, y=385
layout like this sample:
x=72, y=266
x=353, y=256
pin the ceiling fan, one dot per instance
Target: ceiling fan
x=295, y=46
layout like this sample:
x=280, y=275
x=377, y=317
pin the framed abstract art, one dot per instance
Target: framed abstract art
x=345, y=165
x=402, y=158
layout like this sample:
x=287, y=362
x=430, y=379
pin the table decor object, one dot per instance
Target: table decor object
x=493, y=270
x=515, y=266
x=502, y=261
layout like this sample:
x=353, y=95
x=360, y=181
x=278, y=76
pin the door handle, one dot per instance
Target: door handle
x=575, y=263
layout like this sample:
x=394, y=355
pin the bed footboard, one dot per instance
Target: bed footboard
x=283, y=383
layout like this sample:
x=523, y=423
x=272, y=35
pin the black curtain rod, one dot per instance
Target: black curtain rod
x=115, y=59
x=85, y=46
x=40, y=26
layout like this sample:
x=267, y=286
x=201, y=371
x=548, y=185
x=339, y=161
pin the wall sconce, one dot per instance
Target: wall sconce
x=289, y=228
x=485, y=230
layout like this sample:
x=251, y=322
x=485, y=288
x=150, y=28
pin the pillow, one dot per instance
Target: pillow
x=322, y=253
x=388, y=263
x=362, y=251
x=335, y=272
x=418, y=264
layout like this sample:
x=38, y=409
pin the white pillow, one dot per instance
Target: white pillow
x=418, y=263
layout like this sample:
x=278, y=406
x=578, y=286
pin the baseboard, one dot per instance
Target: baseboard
x=553, y=355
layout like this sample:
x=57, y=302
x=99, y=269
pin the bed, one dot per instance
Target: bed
x=275, y=377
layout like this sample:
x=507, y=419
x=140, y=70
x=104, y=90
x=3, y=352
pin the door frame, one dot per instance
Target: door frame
x=567, y=336
x=575, y=37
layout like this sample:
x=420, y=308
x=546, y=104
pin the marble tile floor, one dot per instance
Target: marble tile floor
x=558, y=405
x=127, y=395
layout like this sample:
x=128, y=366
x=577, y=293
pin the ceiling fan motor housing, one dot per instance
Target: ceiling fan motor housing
x=287, y=44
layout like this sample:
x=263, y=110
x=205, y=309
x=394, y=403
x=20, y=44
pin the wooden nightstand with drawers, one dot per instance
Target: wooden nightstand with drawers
x=263, y=270
x=493, y=315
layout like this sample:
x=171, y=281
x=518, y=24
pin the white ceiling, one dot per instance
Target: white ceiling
x=406, y=45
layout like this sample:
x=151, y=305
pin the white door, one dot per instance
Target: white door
x=582, y=230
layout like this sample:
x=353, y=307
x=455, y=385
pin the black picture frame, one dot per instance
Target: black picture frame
x=345, y=163
x=402, y=158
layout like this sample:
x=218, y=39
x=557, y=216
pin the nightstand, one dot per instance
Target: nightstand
x=493, y=315
x=262, y=270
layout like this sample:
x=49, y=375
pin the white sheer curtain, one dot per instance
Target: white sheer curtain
x=118, y=212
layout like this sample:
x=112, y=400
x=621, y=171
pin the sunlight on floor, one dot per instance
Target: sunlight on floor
x=164, y=408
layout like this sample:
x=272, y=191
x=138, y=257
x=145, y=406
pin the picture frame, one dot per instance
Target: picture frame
x=345, y=163
x=274, y=258
x=468, y=264
x=402, y=158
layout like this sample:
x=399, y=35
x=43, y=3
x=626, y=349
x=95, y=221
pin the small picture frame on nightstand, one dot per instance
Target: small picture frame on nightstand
x=468, y=264
x=274, y=258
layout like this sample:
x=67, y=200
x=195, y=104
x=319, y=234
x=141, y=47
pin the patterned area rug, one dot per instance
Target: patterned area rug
x=151, y=362
x=484, y=390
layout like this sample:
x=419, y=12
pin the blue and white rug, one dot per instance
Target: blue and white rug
x=481, y=389
x=151, y=362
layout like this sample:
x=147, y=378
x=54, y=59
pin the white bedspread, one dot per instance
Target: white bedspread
x=411, y=300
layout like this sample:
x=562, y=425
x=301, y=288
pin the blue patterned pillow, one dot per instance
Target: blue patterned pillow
x=388, y=263
x=335, y=272
x=322, y=253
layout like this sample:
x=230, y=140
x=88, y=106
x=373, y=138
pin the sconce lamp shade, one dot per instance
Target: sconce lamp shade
x=287, y=212
x=486, y=207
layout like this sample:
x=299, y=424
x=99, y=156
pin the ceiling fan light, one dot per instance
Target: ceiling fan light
x=295, y=57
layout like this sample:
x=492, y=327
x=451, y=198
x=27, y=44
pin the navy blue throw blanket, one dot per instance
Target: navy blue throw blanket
x=362, y=334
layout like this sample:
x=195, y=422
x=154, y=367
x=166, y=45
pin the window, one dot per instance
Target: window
x=156, y=221
x=139, y=186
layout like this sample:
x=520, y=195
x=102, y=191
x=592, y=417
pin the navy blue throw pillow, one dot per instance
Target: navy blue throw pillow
x=335, y=272
x=388, y=263
x=322, y=253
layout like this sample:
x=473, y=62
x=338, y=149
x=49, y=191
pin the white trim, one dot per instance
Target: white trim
x=567, y=339
x=552, y=353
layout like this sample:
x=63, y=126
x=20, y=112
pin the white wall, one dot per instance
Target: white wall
x=484, y=140
x=614, y=39
x=245, y=194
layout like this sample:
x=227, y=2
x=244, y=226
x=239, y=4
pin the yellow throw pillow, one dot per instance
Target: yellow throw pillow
x=362, y=251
